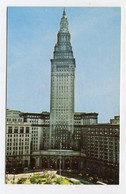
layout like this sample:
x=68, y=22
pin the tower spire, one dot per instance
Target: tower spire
x=64, y=13
x=64, y=22
x=63, y=40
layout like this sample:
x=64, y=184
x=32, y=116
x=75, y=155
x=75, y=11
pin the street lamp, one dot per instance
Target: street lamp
x=34, y=169
x=51, y=170
x=14, y=175
x=60, y=161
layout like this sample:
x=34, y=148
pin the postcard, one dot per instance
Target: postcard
x=62, y=109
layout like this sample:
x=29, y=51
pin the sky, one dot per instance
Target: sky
x=95, y=38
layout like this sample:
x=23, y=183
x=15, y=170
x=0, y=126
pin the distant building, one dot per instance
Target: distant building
x=63, y=137
x=95, y=148
x=18, y=141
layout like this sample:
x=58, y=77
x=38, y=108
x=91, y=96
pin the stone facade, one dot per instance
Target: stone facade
x=95, y=149
x=18, y=140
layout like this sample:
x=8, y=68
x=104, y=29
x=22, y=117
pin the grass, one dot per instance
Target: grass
x=46, y=178
x=62, y=181
x=65, y=182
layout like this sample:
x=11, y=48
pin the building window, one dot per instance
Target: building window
x=16, y=130
x=21, y=129
x=9, y=129
x=27, y=129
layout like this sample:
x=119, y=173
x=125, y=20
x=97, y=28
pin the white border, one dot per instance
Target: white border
x=30, y=189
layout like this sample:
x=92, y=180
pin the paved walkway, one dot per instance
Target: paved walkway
x=10, y=178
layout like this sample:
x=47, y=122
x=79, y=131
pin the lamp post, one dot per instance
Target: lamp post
x=14, y=176
x=60, y=161
x=33, y=169
x=51, y=170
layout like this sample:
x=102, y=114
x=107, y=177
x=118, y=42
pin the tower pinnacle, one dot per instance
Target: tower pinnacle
x=63, y=46
x=64, y=13
x=64, y=22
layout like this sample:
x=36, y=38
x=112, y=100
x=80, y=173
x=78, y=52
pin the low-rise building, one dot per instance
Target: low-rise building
x=95, y=147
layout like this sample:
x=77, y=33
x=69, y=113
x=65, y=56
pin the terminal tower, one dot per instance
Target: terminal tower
x=62, y=90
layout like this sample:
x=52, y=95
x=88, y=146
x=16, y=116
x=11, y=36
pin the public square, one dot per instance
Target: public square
x=53, y=177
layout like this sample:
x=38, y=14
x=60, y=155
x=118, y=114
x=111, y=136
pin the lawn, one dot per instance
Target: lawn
x=46, y=178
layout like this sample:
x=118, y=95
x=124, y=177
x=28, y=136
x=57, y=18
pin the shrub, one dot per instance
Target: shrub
x=44, y=179
x=76, y=182
x=65, y=182
x=35, y=179
x=39, y=181
x=45, y=175
x=21, y=181
x=62, y=181
x=49, y=181
x=80, y=174
x=91, y=178
x=54, y=176
x=58, y=180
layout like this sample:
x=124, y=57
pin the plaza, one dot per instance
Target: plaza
x=54, y=178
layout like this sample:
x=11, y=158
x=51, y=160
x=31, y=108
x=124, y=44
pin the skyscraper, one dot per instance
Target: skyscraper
x=62, y=90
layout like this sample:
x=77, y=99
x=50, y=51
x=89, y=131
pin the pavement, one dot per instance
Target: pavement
x=10, y=178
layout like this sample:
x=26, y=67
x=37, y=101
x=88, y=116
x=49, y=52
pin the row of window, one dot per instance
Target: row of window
x=33, y=117
x=16, y=153
x=102, y=129
x=18, y=135
x=18, y=130
x=14, y=120
x=18, y=148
